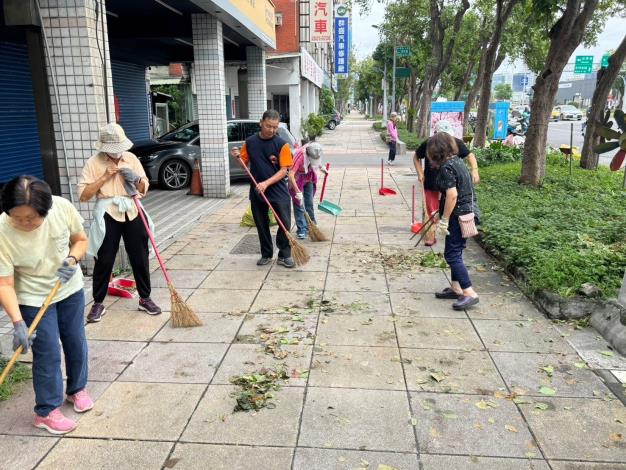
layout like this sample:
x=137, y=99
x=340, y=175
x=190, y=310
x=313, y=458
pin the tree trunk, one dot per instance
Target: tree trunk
x=466, y=77
x=423, y=116
x=412, y=96
x=606, y=78
x=565, y=35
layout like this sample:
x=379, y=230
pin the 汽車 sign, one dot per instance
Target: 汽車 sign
x=321, y=20
x=583, y=64
x=342, y=44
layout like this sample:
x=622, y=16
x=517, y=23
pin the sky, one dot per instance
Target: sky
x=365, y=37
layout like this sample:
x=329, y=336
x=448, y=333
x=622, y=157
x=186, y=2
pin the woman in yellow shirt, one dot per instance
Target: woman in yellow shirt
x=41, y=240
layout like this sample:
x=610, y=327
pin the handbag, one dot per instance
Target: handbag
x=468, y=222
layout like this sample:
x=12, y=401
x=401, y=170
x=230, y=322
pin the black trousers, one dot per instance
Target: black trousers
x=392, y=151
x=262, y=221
x=136, y=242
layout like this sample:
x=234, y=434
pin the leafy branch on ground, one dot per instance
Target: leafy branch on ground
x=410, y=260
x=20, y=373
x=256, y=389
x=560, y=235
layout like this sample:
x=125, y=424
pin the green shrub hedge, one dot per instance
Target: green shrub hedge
x=497, y=153
x=562, y=234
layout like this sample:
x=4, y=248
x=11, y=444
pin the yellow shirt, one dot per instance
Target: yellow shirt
x=33, y=258
x=97, y=165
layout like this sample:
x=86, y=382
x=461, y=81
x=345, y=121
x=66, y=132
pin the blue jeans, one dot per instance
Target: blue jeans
x=307, y=192
x=453, y=253
x=63, y=320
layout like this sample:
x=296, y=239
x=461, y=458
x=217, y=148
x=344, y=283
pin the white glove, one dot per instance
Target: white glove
x=299, y=198
x=442, y=226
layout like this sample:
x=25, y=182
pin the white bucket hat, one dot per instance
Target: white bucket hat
x=113, y=139
x=444, y=126
x=312, y=156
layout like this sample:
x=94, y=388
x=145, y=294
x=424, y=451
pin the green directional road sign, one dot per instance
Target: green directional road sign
x=584, y=64
x=403, y=51
x=605, y=60
x=403, y=72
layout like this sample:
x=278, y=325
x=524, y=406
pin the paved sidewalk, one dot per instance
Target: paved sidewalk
x=381, y=374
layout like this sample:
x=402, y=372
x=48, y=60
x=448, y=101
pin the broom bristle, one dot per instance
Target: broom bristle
x=315, y=234
x=298, y=252
x=182, y=315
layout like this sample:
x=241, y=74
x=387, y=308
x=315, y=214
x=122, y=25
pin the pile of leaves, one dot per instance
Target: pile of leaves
x=411, y=260
x=497, y=153
x=19, y=373
x=256, y=389
x=274, y=338
x=561, y=235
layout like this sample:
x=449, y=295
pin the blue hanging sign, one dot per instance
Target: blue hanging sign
x=342, y=42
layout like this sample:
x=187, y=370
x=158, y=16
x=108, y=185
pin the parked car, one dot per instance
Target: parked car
x=333, y=119
x=169, y=159
x=566, y=112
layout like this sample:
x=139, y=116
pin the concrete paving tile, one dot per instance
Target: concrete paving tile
x=324, y=459
x=521, y=336
x=579, y=429
x=437, y=333
x=281, y=301
x=356, y=367
x=504, y=307
x=192, y=261
x=126, y=325
x=357, y=419
x=295, y=328
x=280, y=280
x=175, y=362
x=350, y=238
x=427, y=283
x=216, y=328
x=349, y=262
x=492, y=283
x=161, y=296
x=317, y=263
x=455, y=371
x=24, y=451
x=356, y=303
x=107, y=454
x=356, y=220
x=229, y=457
x=560, y=465
x=107, y=359
x=450, y=462
x=243, y=359
x=423, y=305
x=453, y=424
x=141, y=411
x=589, y=345
x=356, y=330
x=356, y=282
x=356, y=228
x=215, y=422
x=187, y=278
x=241, y=263
x=16, y=414
x=523, y=371
x=221, y=300
x=239, y=280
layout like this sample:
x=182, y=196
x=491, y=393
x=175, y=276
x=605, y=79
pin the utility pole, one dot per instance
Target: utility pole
x=385, y=96
x=393, y=81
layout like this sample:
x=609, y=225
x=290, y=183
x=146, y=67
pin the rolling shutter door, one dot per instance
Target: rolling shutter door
x=129, y=87
x=19, y=135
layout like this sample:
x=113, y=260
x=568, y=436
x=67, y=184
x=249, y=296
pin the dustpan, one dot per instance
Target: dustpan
x=415, y=226
x=325, y=206
x=384, y=191
x=122, y=288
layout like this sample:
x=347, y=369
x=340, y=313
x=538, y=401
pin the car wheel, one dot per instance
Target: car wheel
x=332, y=125
x=174, y=174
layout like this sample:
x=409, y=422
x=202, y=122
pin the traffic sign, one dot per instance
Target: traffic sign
x=524, y=80
x=584, y=64
x=403, y=72
x=403, y=51
x=605, y=60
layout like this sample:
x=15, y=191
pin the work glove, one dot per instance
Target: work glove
x=298, y=198
x=129, y=175
x=66, y=270
x=20, y=337
x=442, y=227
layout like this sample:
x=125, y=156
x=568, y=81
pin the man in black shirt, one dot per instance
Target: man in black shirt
x=269, y=158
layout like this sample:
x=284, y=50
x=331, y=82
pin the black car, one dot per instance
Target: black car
x=169, y=159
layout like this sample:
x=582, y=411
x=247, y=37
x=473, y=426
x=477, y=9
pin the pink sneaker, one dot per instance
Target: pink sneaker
x=82, y=401
x=55, y=422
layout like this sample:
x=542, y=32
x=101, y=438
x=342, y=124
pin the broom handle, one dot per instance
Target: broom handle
x=324, y=183
x=280, y=222
x=31, y=329
x=381, y=173
x=413, y=206
x=156, y=251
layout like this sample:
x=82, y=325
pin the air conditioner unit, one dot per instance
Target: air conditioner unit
x=279, y=19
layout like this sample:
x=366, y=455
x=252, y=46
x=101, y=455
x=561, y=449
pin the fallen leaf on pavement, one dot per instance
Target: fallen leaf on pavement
x=547, y=391
x=510, y=428
x=616, y=437
x=541, y=406
x=607, y=353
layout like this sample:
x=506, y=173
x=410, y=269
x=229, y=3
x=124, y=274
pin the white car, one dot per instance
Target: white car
x=567, y=112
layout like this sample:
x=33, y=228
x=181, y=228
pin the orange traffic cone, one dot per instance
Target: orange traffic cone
x=196, y=180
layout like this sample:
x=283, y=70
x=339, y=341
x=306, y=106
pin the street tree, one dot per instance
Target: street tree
x=606, y=78
x=503, y=91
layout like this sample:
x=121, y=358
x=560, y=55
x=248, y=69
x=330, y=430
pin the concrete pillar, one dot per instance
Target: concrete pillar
x=208, y=51
x=295, y=113
x=312, y=108
x=75, y=67
x=257, y=85
x=304, y=98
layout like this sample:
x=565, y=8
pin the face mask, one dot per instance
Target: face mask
x=115, y=156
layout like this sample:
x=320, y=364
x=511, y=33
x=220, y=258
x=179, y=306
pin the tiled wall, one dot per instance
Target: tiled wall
x=208, y=52
x=257, y=103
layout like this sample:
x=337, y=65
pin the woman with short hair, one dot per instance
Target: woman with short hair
x=457, y=193
x=41, y=241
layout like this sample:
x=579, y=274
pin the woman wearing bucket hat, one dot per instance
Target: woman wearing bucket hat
x=109, y=176
x=303, y=184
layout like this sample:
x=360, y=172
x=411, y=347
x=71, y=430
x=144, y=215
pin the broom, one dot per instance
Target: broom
x=182, y=315
x=315, y=234
x=298, y=252
x=31, y=330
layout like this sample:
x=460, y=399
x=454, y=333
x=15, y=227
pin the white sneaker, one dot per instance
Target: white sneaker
x=390, y=163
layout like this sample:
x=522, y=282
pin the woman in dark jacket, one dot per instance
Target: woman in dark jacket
x=455, y=185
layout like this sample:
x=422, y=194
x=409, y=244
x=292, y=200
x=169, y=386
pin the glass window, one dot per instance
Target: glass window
x=234, y=132
x=250, y=128
x=183, y=135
